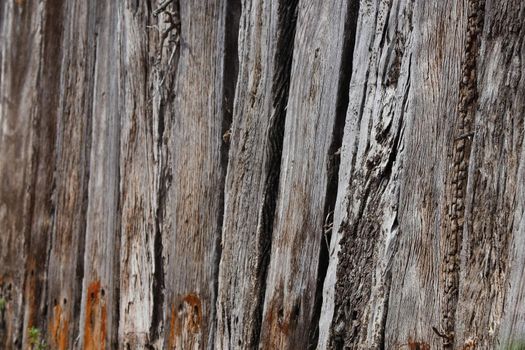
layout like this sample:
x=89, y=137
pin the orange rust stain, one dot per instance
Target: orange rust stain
x=194, y=318
x=416, y=345
x=276, y=319
x=173, y=333
x=277, y=325
x=185, y=322
x=59, y=329
x=96, y=319
x=470, y=344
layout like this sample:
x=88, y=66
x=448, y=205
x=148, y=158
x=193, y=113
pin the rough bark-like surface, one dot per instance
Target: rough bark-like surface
x=99, y=317
x=253, y=170
x=194, y=198
x=241, y=174
x=66, y=249
x=140, y=148
x=309, y=147
x=426, y=162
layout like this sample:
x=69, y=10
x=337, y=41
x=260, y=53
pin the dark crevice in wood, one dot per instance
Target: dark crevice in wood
x=164, y=183
x=386, y=172
x=457, y=178
x=352, y=267
x=49, y=106
x=158, y=248
x=116, y=258
x=361, y=230
x=384, y=32
x=287, y=20
x=349, y=36
x=230, y=66
x=388, y=285
x=113, y=67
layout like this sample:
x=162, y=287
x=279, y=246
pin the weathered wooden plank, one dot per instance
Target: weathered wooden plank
x=416, y=266
x=29, y=94
x=309, y=147
x=18, y=81
x=253, y=170
x=388, y=229
x=139, y=166
x=367, y=202
x=491, y=266
x=390, y=254
x=66, y=251
x=99, y=308
x=194, y=198
x=401, y=203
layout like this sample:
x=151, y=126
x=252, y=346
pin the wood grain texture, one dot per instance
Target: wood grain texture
x=30, y=95
x=66, y=251
x=99, y=306
x=194, y=199
x=489, y=281
x=18, y=77
x=253, y=170
x=291, y=286
x=398, y=234
x=140, y=147
x=239, y=174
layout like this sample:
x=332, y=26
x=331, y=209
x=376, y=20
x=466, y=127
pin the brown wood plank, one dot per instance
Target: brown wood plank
x=253, y=169
x=30, y=94
x=194, y=196
x=139, y=166
x=289, y=316
x=491, y=265
x=66, y=251
x=18, y=82
x=99, y=316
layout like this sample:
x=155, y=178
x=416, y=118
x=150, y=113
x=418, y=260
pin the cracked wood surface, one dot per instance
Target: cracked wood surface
x=240, y=174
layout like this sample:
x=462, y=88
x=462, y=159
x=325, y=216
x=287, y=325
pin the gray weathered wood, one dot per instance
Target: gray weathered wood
x=168, y=172
x=289, y=319
x=18, y=82
x=194, y=197
x=71, y=176
x=253, y=169
x=419, y=151
x=99, y=317
x=140, y=145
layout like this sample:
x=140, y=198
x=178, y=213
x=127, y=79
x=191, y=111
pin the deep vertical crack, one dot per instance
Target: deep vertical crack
x=334, y=151
x=286, y=22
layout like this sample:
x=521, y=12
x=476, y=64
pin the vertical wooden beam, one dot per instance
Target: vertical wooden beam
x=66, y=254
x=99, y=317
x=393, y=167
x=138, y=172
x=492, y=255
x=29, y=92
x=265, y=54
x=289, y=317
x=194, y=197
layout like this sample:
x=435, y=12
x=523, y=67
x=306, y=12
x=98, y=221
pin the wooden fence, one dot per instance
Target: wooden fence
x=273, y=174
